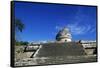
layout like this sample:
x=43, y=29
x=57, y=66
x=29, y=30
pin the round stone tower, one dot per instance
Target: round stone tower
x=64, y=35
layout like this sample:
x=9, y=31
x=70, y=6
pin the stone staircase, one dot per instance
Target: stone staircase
x=60, y=49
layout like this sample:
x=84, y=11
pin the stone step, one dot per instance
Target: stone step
x=60, y=49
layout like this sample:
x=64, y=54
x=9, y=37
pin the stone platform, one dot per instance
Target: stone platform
x=60, y=49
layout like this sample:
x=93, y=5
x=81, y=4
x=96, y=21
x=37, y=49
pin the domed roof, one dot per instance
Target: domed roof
x=63, y=33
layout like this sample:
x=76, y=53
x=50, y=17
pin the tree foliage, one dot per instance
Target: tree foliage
x=22, y=43
x=19, y=25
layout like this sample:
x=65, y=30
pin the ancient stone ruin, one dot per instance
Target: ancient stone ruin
x=62, y=47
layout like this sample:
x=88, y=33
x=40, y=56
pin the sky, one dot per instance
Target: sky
x=43, y=21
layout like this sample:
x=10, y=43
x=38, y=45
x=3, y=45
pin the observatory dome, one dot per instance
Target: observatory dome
x=64, y=35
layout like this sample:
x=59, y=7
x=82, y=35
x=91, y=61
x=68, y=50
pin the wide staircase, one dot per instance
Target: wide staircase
x=60, y=49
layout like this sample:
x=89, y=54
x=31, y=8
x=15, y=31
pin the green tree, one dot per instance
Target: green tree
x=19, y=25
x=22, y=43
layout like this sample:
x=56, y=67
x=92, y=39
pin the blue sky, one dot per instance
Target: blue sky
x=43, y=21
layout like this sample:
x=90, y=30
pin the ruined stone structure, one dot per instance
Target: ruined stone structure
x=65, y=48
x=60, y=49
x=64, y=35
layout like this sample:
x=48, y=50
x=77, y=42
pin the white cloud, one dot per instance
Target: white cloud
x=77, y=29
